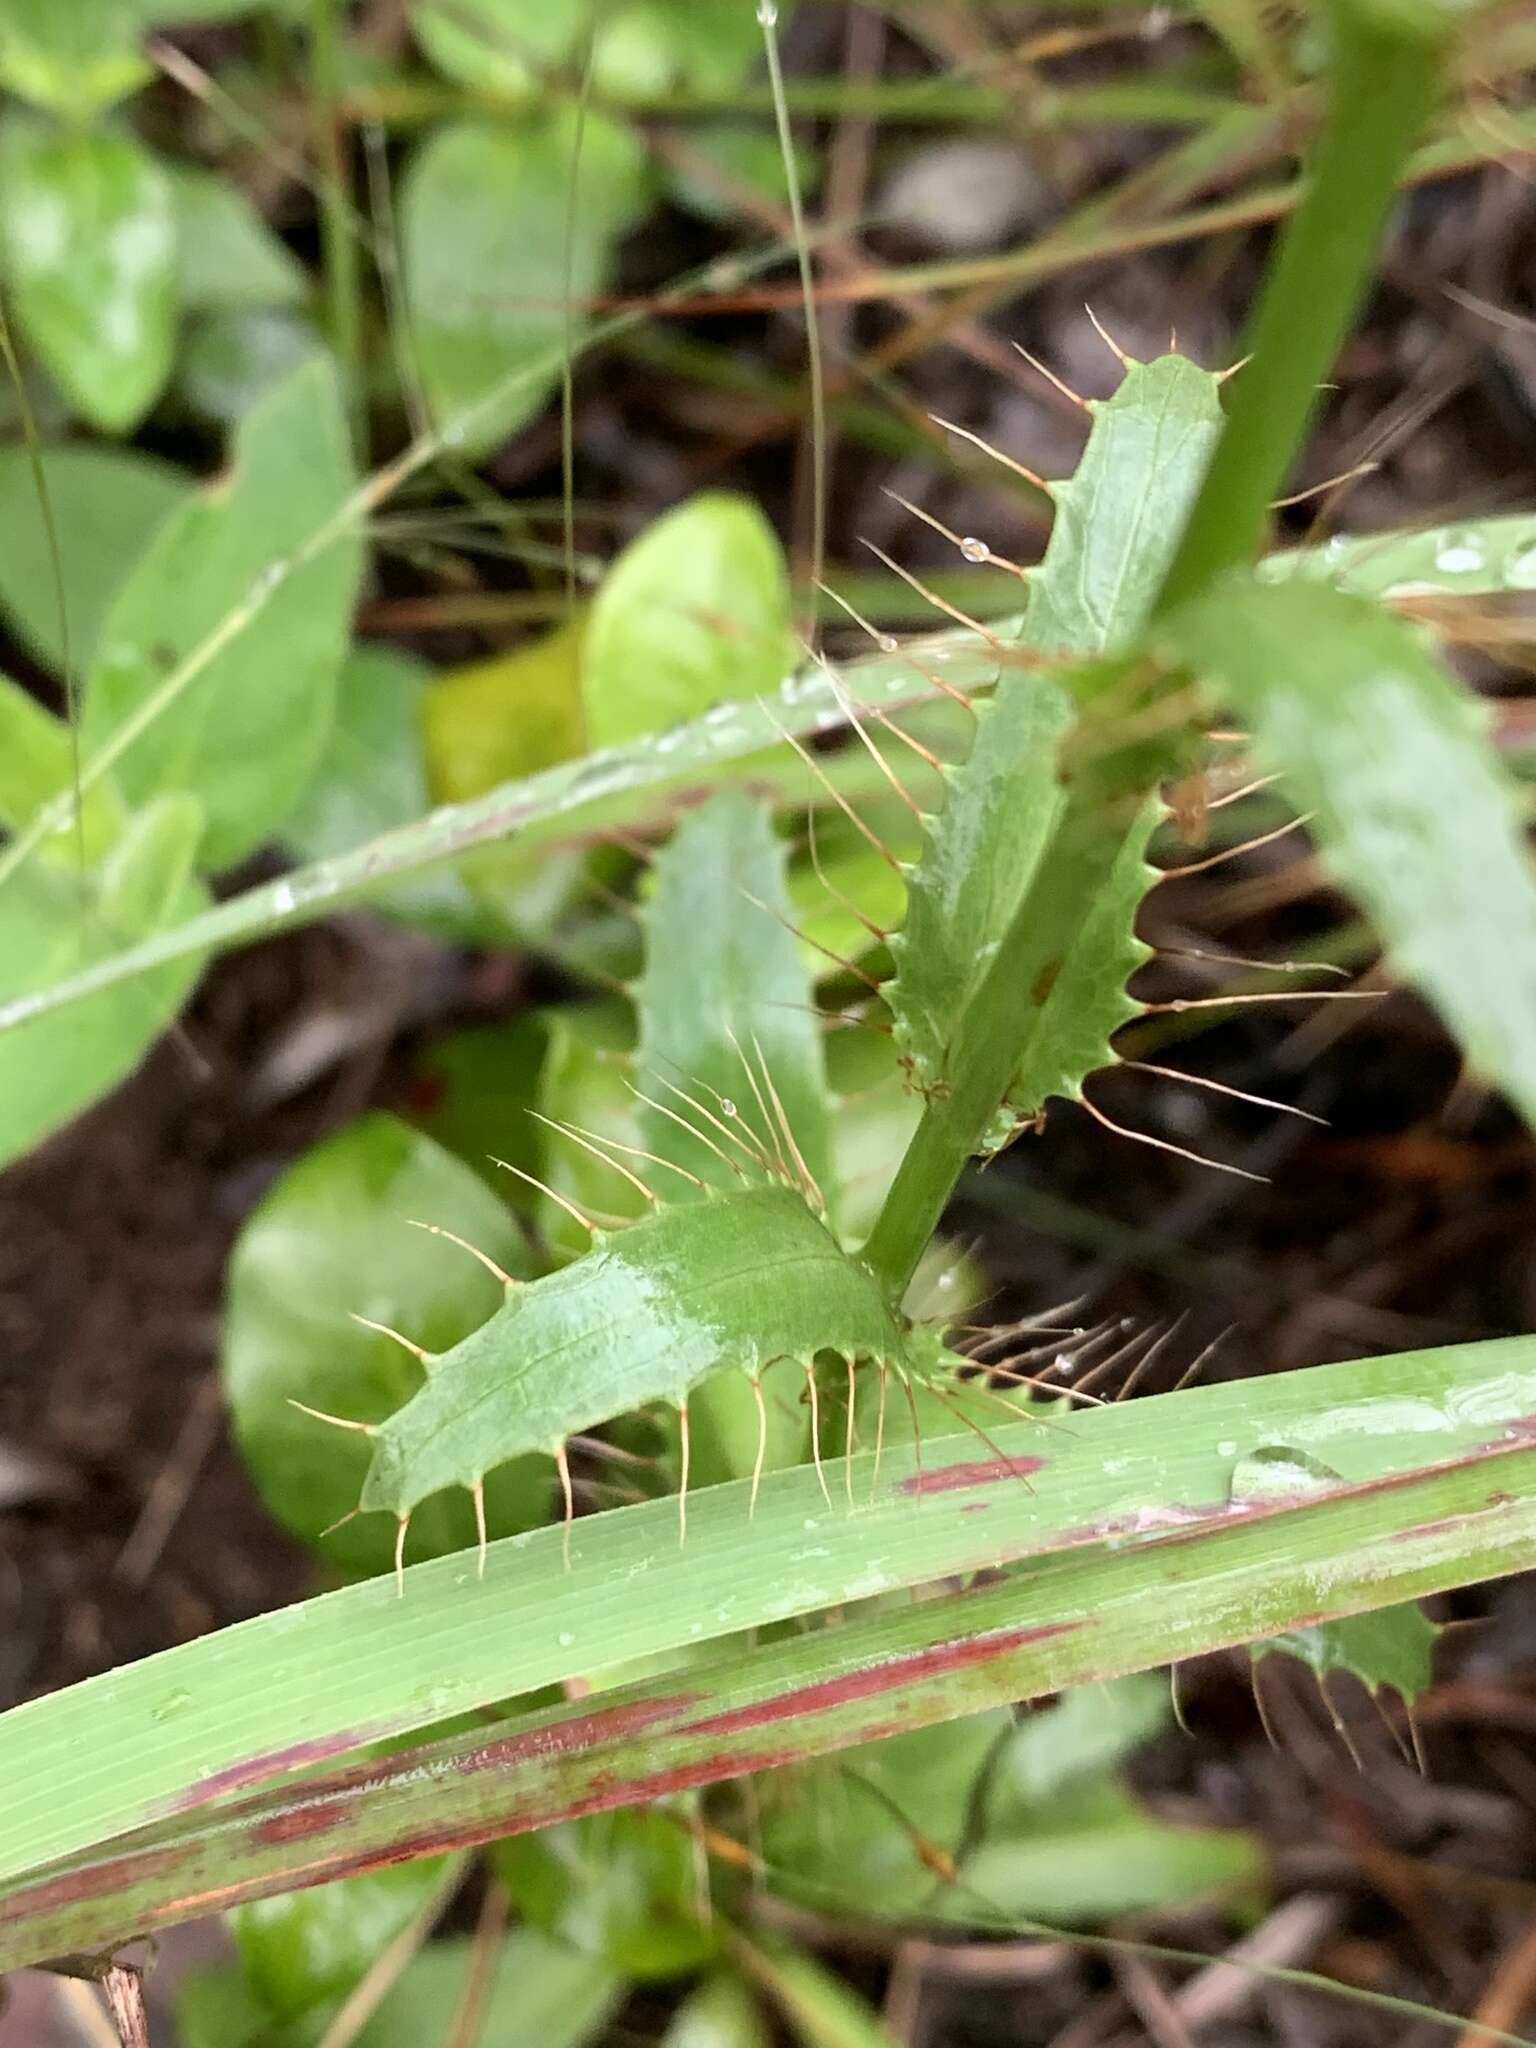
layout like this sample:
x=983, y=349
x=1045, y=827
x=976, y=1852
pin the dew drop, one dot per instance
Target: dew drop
x=566, y=1640
x=1459, y=559
x=767, y=13
x=283, y=898
x=975, y=550
x=727, y=1107
x=889, y=644
x=1521, y=573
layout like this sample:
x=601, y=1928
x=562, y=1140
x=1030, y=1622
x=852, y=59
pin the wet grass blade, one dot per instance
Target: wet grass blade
x=1226, y=1578
x=312, y=1682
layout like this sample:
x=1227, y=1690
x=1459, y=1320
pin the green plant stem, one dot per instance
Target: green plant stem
x=1386, y=72
x=953, y=1124
x=343, y=276
x=1385, y=75
x=1147, y=102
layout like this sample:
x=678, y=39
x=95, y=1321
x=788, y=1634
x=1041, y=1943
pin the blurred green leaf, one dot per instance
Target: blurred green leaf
x=726, y=1006
x=181, y=13
x=622, y=1887
x=88, y=242
x=1410, y=806
x=488, y=264
x=492, y=722
x=472, y=1090
x=247, y=733
x=726, y=158
x=540, y=1994
x=309, y=1259
x=1087, y=1730
x=234, y=357
x=106, y=504
x=1092, y=1852
x=694, y=613
x=586, y=1082
x=874, y=1118
x=216, y=2008
x=1055, y=1833
x=721, y=2013
x=641, y=47
x=860, y=1823
x=562, y=1999
x=305, y=1949
x=653, y=46
x=227, y=255
x=821, y=2009
x=1394, y=1646
x=55, y=920
x=849, y=882
x=72, y=56
x=501, y=46
x=36, y=762
x=370, y=778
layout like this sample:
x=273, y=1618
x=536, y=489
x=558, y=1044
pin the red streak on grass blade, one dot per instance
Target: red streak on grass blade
x=980, y=1472
x=893, y=1676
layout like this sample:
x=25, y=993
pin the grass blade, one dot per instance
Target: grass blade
x=1077, y=1619
x=312, y=1682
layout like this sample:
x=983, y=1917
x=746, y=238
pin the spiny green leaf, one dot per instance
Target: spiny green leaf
x=981, y=854
x=693, y=614
x=734, y=1283
x=88, y=239
x=55, y=921
x=308, y=1259
x=246, y=735
x=1116, y=524
x=106, y=504
x=1410, y=806
x=1119, y=516
x=1394, y=1646
x=1076, y=1017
